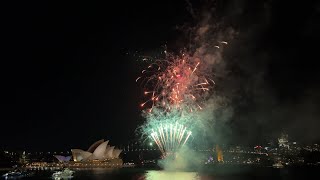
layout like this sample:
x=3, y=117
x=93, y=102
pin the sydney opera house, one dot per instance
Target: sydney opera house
x=99, y=154
x=99, y=150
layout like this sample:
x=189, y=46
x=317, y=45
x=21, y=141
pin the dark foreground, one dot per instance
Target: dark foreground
x=217, y=173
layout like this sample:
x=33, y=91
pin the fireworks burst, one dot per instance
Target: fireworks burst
x=176, y=89
x=169, y=130
x=176, y=82
x=170, y=137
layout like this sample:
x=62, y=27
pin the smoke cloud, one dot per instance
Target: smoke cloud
x=244, y=106
x=205, y=117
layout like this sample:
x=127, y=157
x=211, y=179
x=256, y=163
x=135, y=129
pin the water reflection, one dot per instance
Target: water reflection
x=160, y=175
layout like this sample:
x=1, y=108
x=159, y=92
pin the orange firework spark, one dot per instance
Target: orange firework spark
x=177, y=82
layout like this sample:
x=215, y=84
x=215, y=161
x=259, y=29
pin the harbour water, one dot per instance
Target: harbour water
x=225, y=173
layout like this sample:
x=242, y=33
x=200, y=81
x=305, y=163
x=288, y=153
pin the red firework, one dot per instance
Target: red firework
x=177, y=82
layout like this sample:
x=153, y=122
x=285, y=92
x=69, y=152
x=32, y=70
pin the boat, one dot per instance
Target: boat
x=64, y=174
x=16, y=174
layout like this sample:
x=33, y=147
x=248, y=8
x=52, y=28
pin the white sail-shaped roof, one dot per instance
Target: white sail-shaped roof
x=85, y=155
x=76, y=154
x=109, y=152
x=95, y=145
x=116, y=153
x=99, y=152
x=79, y=154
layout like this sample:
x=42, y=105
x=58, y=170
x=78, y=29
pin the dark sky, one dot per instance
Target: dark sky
x=67, y=80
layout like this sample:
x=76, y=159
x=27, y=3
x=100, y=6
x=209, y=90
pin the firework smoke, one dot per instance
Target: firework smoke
x=180, y=100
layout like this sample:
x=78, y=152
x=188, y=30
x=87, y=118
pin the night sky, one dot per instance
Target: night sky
x=68, y=70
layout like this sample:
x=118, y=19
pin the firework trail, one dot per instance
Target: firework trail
x=175, y=82
x=170, y=137
x=169, y=130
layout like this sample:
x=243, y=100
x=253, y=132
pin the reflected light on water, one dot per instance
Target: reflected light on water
x=160, y=175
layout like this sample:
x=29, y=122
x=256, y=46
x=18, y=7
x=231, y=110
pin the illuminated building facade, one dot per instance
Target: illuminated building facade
x=99, y=155
x=100, y=150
